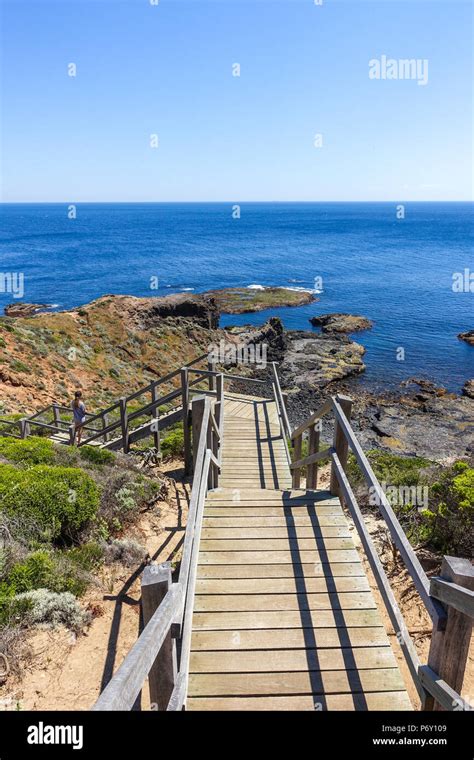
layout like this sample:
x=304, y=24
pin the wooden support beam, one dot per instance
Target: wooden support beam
x=57, y=416
x=124, y=424
x=105, y=424
x=297, y=444
x=156, y=415
x=212, y=378
x=198, y=406
x=340, y=444
x=312, y=476
x=449, y=648
x=186, y=428
x=156, y=581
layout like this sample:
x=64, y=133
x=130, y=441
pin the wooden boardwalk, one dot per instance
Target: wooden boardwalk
x=283, y=618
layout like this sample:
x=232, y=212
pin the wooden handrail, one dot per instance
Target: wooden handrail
x=397, y=533
x=458, y=597
x=177, y=606
x=317, y=415
x=324, y=454
x=281, y=403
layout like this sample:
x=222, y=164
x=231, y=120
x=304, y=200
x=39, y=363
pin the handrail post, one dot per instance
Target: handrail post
x=155, y=584
x=24, y=427
x=313, y=448
x=57, y=415
x=124, y=424
x=212, y=378
x=297, y=445
x=196, y=416
x=156, y=422
x=105, y=423
x=449, y=648
x=340, y=444
x=186, y=428
x=72, y=435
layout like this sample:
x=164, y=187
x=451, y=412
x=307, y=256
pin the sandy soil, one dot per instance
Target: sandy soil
x=67, y=672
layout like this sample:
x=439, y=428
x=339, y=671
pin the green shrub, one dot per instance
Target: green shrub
x=37, y=571
x=59, y=499
x=448, y=524
x=389, y=468
x=27, y=451
x=18, y=366
x=95, y=455
x=172, y=445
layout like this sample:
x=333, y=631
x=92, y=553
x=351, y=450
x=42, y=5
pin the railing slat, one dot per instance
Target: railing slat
x=388, y=597
x=420, y=579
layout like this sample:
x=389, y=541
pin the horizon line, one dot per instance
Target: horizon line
x=131, y=202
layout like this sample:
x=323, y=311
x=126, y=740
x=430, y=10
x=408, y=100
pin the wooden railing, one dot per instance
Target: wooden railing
x=449, y=599
x=168, y=606
x=123, y=430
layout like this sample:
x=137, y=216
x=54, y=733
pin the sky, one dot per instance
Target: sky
x=168, y=70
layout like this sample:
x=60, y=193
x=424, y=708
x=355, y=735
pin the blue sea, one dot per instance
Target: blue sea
x=359, y=256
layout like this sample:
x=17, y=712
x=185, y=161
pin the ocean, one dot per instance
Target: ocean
x=360, y=258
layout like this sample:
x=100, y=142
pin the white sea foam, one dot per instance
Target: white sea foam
x=255, y=287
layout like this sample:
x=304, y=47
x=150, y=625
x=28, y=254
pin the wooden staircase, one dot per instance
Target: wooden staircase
x=283, y=617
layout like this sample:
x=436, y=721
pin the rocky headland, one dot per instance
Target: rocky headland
x=116, y=344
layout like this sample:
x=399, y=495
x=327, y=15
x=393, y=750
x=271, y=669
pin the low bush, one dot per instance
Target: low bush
x=127, y=552
x=50, y=608
x=96, y=455
x=389, y=468
x=28, y=451
x=59, y=499
x=172, y=445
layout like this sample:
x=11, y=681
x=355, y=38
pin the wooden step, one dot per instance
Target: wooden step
x=374, y=700
x=292, y=660
x=288, y=638
x=277, y=570
x=258, y=620
x=221, y=602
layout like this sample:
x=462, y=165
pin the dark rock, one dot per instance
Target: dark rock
x=341, y=323
x=313, y=361
x=428, y=388
x=25, y=309
x=468, y=337
x=468, y=388
x=201, y=310
x=271, y=334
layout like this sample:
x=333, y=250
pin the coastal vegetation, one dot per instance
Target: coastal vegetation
x=64, y=513
x=434, y=503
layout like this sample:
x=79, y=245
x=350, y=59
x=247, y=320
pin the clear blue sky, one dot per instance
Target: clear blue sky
x=167, y=69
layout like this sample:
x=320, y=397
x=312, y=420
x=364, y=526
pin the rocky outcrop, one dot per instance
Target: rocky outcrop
x=25, y=309
x=202, y=310
x=271, y=334
x=341, y=323
x=247, y=300
x=468, y=389
x=468, y=337
x=314, y=361
x=441, y=428
x=427, y=388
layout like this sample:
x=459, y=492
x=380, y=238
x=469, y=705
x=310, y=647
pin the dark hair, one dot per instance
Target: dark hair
x=77, y=396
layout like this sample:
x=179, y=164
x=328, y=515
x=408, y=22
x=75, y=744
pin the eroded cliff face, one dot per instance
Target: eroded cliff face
x=108, y=348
